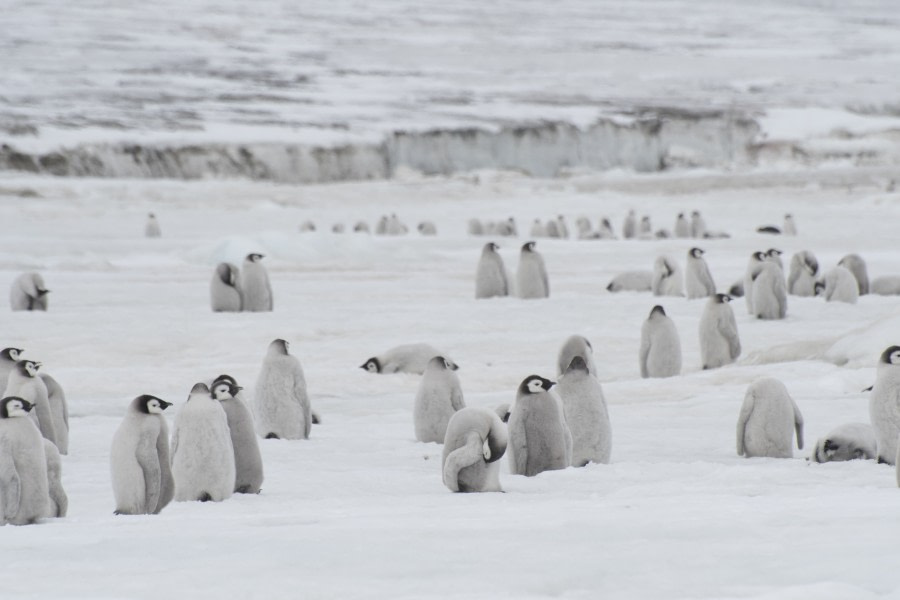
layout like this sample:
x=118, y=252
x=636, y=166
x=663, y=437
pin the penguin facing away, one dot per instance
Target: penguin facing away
x=225, y=289
x=438, y=397
x=856, y=265
x=576, y=345
x=281, y=404
x=698, y=280
x=531, y=275
x=140, y=465
x=884, y=404
x=769, y=293
x=256, y=289
x=405, y=358
x=754, y=268
x=719, y=341
x=850, y=441
x=660, y=352
x=539, y=437
x=667, y=279
x=767, y=421
x=247, y=458
x=629, y=226
x=28, y=292
x=490, y=277
x=24, y=488
x=802, y=275
x=585, y=411
x=59, y=501
x=25, y=383
x=8, y=359
x=841, y=286
x=59, y=409
x=476, y=440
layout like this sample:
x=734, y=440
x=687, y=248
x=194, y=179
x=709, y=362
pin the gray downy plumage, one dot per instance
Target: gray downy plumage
x=768, y=419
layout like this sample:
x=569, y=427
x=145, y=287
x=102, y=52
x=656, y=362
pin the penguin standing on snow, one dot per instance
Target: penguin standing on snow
x=802, y=274
x=56, y=397
x=8, y=359
x=856, y=265
x=25, y=383
x=225, y=289
x=585, y=410
x=682, y=227
x=439, y=396
x=531, y=275
x=476, y=440
x=202, y=454
x=139, y=459
x=59, y=501
x=629, y=226
x=247, y=459
x=767, y=421
x=539, y=438
x=257, y=291
x=789, y=228
x=151, y=229
x=884, y=404
x=698, y=280
x=660, y=353
x=773, y=255
x=490, y=278
x=698, y=225
x=754, y=267
x=719, y=341
x=769, y=293
x=281, y=404
x=667, y=277
x=28, y=292
x=24, y=488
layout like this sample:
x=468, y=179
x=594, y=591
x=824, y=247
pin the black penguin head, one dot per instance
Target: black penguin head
x=695, y=252
x=773, y=253
x=535, y=384
x=606, y=223
x=151, y=215
x=151, y=405
x=373, y=365
x=13, y=406
x=577, y=364
x=891, y=356
x=491, y=247
x=255, y=257
x=760, y=256
x=11, y=354
x=611, y=287
x=28, y=368
x=645, y=219
x=681, y=215
x=442, y=363
x=722, y=298
x=226, y=378
x=819, y=288
x=695, y=214
x=657, y=310
x=528, y=246
x=279, y=346
x=224, y=390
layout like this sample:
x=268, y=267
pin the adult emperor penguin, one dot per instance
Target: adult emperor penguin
x=586, y=415
x=631, y=281
x=769, y=293
x=476, y=440
x=884, y=404
x=281, y=404
x=682, y=227
x=202, y=454
x=139, y=459
x=667, y=279
x=789, y=228
x=24, y=488
x=551, y=229
x=698, y=225
x=767, y=421
x=802, y=274
x=698, y=281
x=539, y=437
x=439, y=396
x=247, y=458
x=225, y=289
x=59, y=500
x=28, y=292
x=719, y=341
x=256, y=289
x=850, y=441
x=24, y=382
x=531, y=275
x=660, y=352
x=857, y=266
x=151, y=229
x=841, y=286
x=576, y=345
x=754, y=267
x=490, y=277
x=406, y=358
x=629, y=226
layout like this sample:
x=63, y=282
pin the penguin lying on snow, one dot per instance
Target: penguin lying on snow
x=406, y=358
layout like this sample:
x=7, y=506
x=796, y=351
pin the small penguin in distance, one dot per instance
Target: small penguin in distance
x=667, y=279
x=281, y=403
x=754, y=268
x=28, y=292
x=151, y=229
x=225, y=289
x=682, y=227
x=802, y=274
x=884, y=404
x=476, y=440
x=24, y=485
x=438, y=397
x=490, y=277
x=631, y=281
x=140, y=465
x=539, y=437
x=856, y=265
x=629, y=226
x=851, y=441
x=427, y=228
x=698, y=281
x=789, y=228
x=767, y=421
x=698, y=225
x=660, y=352
x=719, y=341
x=257, y=291
x=405, y=358
x=585, y=411
x=886, y=285
x=531, y=275
x=247, y=458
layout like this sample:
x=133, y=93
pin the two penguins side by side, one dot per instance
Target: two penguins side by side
x=249, y=289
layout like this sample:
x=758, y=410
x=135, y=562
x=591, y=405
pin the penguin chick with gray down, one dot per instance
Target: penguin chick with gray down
x=59, y=500
x=28, y=292
x=719, y=341
x=25, y=383
x=789, y=228
x=151, y=228
x=225, y=289
x=660, y=352
x=24, y=484
x=55, y=395
x=490, y=277
x=682, y=227
x=856, y=265
x=406, y=358
x=539, y=437
x=850, y=441
x=841, y=286
x=698, y=225
x=576, y=345
x=585, y=411
x=631, y=281
x=427, y=228
x=767, y=421
x=802, y=274
x=476, y=440
x=769, y=293
x=438, y=397
x=531, y=275
x=754, y=268
x=140, y=465
x=886, y=285
x=247, y=458
x=698, y=281
x=256, y=291
x=8, y=359
x=667, y=277
x=629, y=226
x=281, y=404
x=202, y=454
x=884, y=405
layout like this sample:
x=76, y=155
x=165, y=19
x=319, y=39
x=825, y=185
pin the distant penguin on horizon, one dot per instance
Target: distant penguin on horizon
x=281, y=403
x=802, y=274
x=629, y=226
x=789, y=228
x=606, y=231
x=439, y=396
x=768, y=419
x=247, y=458
x=405, y=358
x=427, y=228
x=152, y=229
x=856, y=265
x=698, y=225
x=719, y=341
x=490, y=277
x=28, y=292
x=475, y=227
x=884, y=404
x=660, y=352
x=256, y=289
x=886, y=285
x=539, y=437
x=24, y=483
x=698, y=281
x=225, y=289
x=476, y=440
x=538, y=230
x=531, y=275
x=585, y=413
x=667, y=280
x=631, y=281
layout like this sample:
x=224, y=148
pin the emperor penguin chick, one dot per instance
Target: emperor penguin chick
x=281, y=404
x=225, y=289
x=841, y=286
x=59, y=501
x=667, y=277
x=8, y=359
x=439, y=396
x=24, y=489
x=789, y=228
x=202, y=454
x=476, y=440
x=631, y=281
x=539, y=437
x=139, y=459
x=754, y=268
x=405, y=358
x=850, y=441
x=247, y=458
x=257, y=291
x=151, y=229
x=660, y=353
x=490, y=278
x=682, y=227
x=531, y=275
x=629, y=226
x=773, y=255
x=856, y=265
x=698, y=280
x=585, y=410
x=59, y=408
x=28, y=292
x=802, y=274
x=886, y=285
x=884, y=404
x=767, y=421
x=576, y=345
x=698, y=225
x=719, y=341
x=25, y=383
x=769, y=293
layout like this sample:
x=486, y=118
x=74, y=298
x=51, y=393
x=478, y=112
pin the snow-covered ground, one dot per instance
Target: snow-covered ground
x=359, y=510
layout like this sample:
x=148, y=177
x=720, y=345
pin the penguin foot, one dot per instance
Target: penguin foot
x=244, y=489
x=315, y=419
x=271, y=436
x=881, y=461
x=205, y=497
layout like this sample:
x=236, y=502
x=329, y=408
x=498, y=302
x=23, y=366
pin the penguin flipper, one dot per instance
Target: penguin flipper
x=798, y=424
x=9, y=484
x=746, y=411
x=464, y=456
x=518, y=446
x=45, y=417
x=456, y=400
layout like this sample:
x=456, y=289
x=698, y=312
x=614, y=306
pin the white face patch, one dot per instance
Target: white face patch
x=371, y=368
x=535, y=386
x=894, y=358
x=31, y=368
x=486, y=451
x=153, y=407
x=16, y=409
x=14, y=354
x=221, y=391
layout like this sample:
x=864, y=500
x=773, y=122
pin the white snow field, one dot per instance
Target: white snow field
x=359, y=510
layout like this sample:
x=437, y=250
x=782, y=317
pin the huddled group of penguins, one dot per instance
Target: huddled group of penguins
x=214, y=450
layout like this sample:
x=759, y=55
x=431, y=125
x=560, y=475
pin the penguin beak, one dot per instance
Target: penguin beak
x=38, y=365
x=27, y=406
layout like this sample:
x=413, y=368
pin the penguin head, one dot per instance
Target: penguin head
x=226, y=378
x=151, y=405
x=528, y=246
x=223, y=390
x=255, y=257
x=151, y=216
x=811, y=264
x=657, y=310
x=722, y=298
x=13, y=406
x=773, y=253
x=11, y=353
x=891, y=356
x=279, y=347
x=645, y=219
x=28, y=368
x=577, y=364
x=535, y=384
x=373, y=365
x=606, y=223
x=759, y=256
x=198, y=389
x=491, y=247
x=681, y=215
x=695, y=214
x=695, y=252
